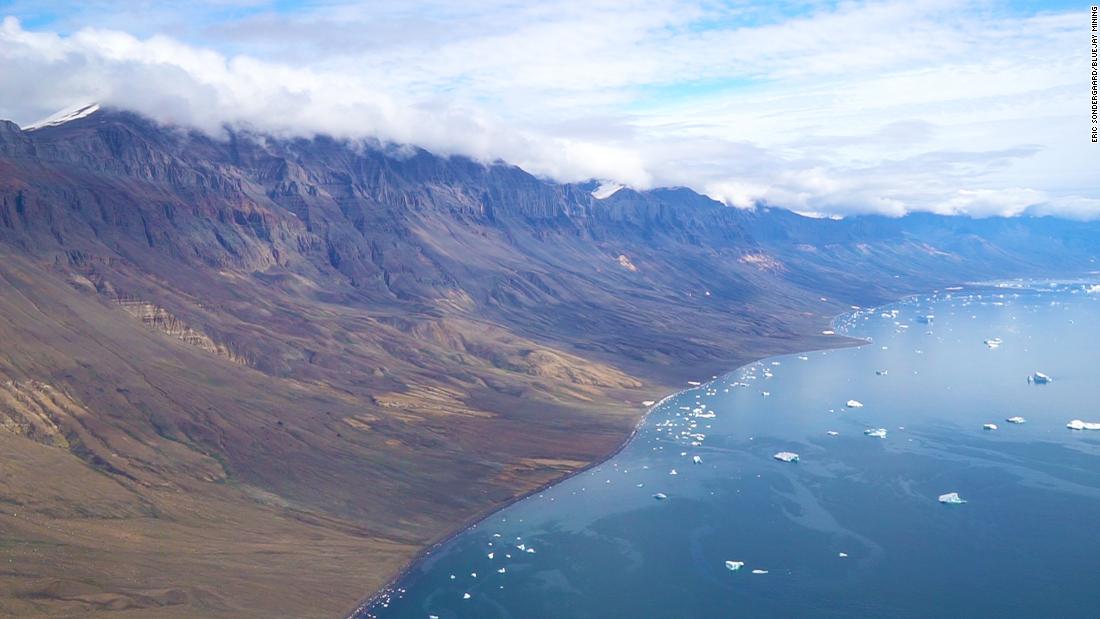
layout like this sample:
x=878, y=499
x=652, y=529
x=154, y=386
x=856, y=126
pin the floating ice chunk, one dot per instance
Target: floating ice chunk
x=786, y=456
x=465, y=596
x=491, y=555
x=648, y=403
x=1077, y=424
x=673, y=472
x=1039, y=378
x=993, y=342
x=989, y=426
x=832, y=433
x=1016, y=420
x=733, y=566
x=803, y=358
x=760, y=571
x=694, y=383
x=530, y=551
x=881, y=372
x=842, y=555
x=765, y=393
x=502, y=570
x=660, y=496
x=855, y=404
x=828, y=332
x=875, y=432
x=696, y=459
x=952, y=498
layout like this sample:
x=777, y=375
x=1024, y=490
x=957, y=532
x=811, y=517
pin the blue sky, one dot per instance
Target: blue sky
x=827, y=108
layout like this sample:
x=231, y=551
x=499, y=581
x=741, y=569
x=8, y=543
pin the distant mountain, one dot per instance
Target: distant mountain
x=254, y=376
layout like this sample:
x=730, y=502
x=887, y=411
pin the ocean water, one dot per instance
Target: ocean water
x=1026, y=543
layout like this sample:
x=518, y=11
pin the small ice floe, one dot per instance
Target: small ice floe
x=530, y=551
x=855, y=404
x=491, y=555
x=765, y=393
x=993, y=342
x=875, y=432
x=842, y=555
x=694, y=383
x=502, y=570
x=660, y=496
x=786, y=456
x=673, y=472
x=989, y=426
x=1077, y=424
x=881, y=372
x=733, y=566
x=1039, y=378
x=696, y=459
x=828, y=332
x=465, y=596
x=648, y=403
x=832, y=433
x=803, y=358
x=760, y=571
x=952, y=498
x=1017, y=419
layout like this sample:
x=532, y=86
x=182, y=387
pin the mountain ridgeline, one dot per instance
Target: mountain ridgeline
x=253, y=377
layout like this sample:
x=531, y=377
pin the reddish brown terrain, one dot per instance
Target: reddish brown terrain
x=252, y=377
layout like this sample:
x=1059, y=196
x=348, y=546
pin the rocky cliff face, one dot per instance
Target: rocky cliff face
x=312, y=358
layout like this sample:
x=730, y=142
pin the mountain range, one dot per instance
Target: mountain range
x=254, y=376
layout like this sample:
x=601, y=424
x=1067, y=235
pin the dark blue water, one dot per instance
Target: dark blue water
x=1026, y=544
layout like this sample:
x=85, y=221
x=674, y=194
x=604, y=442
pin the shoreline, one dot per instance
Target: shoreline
x=843, y=341
x=472, y=522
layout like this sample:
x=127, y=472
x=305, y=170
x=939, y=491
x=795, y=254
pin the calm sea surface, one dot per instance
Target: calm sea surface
x=855, y=527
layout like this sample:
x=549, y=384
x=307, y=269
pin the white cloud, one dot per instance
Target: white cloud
x=886, y=107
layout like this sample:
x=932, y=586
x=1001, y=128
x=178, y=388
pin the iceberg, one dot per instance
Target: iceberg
x=465, y=596
x=1016, y=420
x=842, y=555
x=875, y=432
x=660, y=496
x=952, y=498
x=1039, y=378
x=648, y=403
x=760, y=571
x=993, y=342
x=786, y=456
x=696, y=459
x=989, y=426
x=855, y=404
x=881, y=372
x=733, y=566
x=1077, y=424
x=832, y=433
